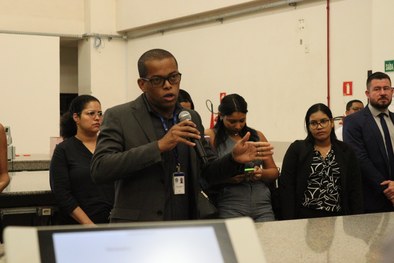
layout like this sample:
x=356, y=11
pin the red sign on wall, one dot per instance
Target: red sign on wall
x=347, y=88
x=222, y=94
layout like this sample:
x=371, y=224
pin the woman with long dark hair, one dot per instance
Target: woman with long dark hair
x=79, y=199
x=320, y=174
x=246, y=194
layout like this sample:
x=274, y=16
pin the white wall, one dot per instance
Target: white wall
x=131, y=14
x=261, y=57
x=351, y=49
x=29, y=83
x=48, y=16
x=382, y=37
x=102, y=62
x=107, y=71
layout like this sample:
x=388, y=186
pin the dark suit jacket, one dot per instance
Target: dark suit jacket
x=362, y=133
x=296, y=168
x=127, y=152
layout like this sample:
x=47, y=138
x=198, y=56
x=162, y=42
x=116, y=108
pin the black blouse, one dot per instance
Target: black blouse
x=72, y=185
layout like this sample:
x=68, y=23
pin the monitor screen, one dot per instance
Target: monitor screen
x=221, y=240
x=148, y=244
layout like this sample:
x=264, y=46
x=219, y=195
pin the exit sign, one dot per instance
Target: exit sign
x=389, y=66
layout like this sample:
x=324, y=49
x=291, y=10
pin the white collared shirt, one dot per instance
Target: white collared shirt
x=375, y=113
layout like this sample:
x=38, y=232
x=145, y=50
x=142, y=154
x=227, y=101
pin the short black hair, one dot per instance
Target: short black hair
x=377, y=75
x=153, y=54
x=350, y=103
x=184, y=96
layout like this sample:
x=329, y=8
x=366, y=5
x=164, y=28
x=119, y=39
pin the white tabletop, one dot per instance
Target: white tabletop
x=28, y=181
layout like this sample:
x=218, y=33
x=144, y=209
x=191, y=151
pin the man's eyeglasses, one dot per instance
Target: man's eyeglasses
x=323, y=123
x=94, y=114
x=159, y=81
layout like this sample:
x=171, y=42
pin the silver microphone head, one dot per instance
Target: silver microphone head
x=184, y=115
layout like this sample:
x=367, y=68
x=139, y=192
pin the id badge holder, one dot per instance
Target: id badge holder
x=178, y=182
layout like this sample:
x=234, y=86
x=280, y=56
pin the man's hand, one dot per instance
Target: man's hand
x=389, y=191
x=179, y=133
x=245, y=151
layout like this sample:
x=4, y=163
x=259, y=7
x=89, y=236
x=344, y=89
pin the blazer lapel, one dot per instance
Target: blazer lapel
x=377, y=135
x=340, y=158
x=391, y=117
x=142, y=117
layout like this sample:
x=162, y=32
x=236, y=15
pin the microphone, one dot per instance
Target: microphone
x=185, y=115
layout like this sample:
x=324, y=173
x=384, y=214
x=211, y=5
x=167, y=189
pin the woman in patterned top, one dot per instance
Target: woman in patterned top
x=320, y=175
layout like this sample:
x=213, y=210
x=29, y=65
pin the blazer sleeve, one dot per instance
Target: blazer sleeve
x=122, y=148
x=355, y=134
x=352, y=189
x=288, y=182
x=60, y=181
x=355, y=187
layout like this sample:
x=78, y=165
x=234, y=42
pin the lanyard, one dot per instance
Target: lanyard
x=163, y=123
x=165, y=127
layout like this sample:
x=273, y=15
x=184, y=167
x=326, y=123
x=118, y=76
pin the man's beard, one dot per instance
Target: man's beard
x=380, y=106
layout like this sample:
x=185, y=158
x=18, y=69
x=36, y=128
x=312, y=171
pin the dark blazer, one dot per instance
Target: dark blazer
x=127, y=152
x=362, y=133
x=296, y=168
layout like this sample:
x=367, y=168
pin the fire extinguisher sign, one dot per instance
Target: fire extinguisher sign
x=347, y=88
x=221, y=95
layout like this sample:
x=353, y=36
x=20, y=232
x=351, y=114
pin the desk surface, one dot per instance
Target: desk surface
x=28, y=181
x=345, y=239
x=31, y=162
x=357, y=238
x=27, y=189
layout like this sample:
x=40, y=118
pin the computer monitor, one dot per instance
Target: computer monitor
x=227, y=241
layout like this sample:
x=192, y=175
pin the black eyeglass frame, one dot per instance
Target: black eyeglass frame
x=152, y=80
x=323, y=123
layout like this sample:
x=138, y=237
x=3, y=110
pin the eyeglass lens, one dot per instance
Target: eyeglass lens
x=159, y=81
x=93, y=114
x=323, y=123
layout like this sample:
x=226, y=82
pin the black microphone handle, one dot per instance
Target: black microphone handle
x=199, y=148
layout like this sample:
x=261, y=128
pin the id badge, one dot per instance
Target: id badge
x=178, y=183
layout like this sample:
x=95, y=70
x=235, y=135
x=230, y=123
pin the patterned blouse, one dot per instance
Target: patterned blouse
x=323, y=189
